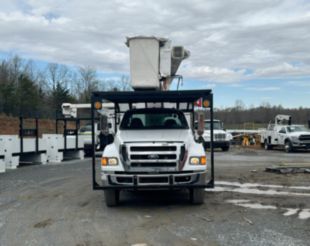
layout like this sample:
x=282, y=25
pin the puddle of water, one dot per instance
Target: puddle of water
x=256, y=185
x=246, y=204
x=234, y=201
x=304, y=214
x=257, y=191
x=291, y=211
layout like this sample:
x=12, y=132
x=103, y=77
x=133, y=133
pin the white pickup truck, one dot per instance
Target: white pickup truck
x=283, y=134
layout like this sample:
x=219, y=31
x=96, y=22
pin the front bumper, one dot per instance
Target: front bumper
x=216, y=144
x=142, y=181
x=301, y=145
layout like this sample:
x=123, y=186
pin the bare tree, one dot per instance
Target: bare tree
x=121, y=84
x=87, y=82
x=57, y=74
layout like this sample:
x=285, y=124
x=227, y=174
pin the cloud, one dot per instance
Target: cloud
x=267, y=88
x=214, y=74
x=230, y=41
x=282, y=70
x=299, y=83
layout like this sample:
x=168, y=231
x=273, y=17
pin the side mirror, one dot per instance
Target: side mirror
x=201, y=124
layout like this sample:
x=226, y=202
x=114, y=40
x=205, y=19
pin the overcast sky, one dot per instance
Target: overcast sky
x=257, y=51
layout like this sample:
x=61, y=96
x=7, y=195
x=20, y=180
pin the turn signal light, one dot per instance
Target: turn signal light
x=104, y=161
x=206, y=103
x=203, y=160
x=98, y=105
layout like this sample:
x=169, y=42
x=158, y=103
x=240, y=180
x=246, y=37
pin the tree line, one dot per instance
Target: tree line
x=249, y=117
x=30, y=90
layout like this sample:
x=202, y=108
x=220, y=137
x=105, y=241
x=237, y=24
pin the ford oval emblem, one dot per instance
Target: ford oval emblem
x=153, y=157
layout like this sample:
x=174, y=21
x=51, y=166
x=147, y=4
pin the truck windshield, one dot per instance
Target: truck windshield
x=217, y=125
x=86, y=128
x=141, y=119
x=297, y=129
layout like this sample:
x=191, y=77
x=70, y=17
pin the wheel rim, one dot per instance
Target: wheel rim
x=287, y=147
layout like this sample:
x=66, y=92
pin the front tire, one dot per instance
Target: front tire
x=288, y=147
x=111, y=197
x=266, y=145
x=225, y=148
x=197, y=196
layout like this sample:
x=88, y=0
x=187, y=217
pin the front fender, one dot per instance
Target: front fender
x=111, y=150
x=195, y=149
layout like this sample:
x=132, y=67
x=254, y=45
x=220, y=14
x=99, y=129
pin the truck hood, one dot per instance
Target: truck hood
x=154, y=135
x=208, y=132
x=297, y=134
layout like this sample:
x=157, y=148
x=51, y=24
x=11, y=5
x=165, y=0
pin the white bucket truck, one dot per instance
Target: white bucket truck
x=104, y=124
x=286, y=135
x=154, y=145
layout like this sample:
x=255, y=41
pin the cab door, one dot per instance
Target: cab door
x=281, y=135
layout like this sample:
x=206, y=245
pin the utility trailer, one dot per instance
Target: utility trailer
x=154, y=146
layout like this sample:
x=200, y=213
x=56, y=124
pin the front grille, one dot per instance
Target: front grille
x=219, y=136
x=159, y=157
x=153, y=164
x=154, y=148
x=153, y=155
x=304, y=137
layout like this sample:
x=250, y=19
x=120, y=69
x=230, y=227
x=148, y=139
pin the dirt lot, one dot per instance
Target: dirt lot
x=55, y=205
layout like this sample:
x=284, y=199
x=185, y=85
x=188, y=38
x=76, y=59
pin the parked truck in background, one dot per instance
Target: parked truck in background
x=104, y=125
x=222, y=138
x=282, y=133
x=154, y=145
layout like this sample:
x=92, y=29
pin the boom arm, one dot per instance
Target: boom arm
x=70, y=110
x=283, y=119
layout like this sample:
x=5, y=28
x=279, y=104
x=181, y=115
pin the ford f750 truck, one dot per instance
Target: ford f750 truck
x=154, y=145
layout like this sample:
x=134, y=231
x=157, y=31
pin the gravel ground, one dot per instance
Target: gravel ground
x=55, y=205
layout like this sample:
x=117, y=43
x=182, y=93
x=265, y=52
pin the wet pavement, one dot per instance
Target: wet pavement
x=55, y=205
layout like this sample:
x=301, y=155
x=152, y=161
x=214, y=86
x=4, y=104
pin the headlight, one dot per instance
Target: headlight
x=198, y=160
x=109, y=161
x=295, y=139
x=206, y=137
